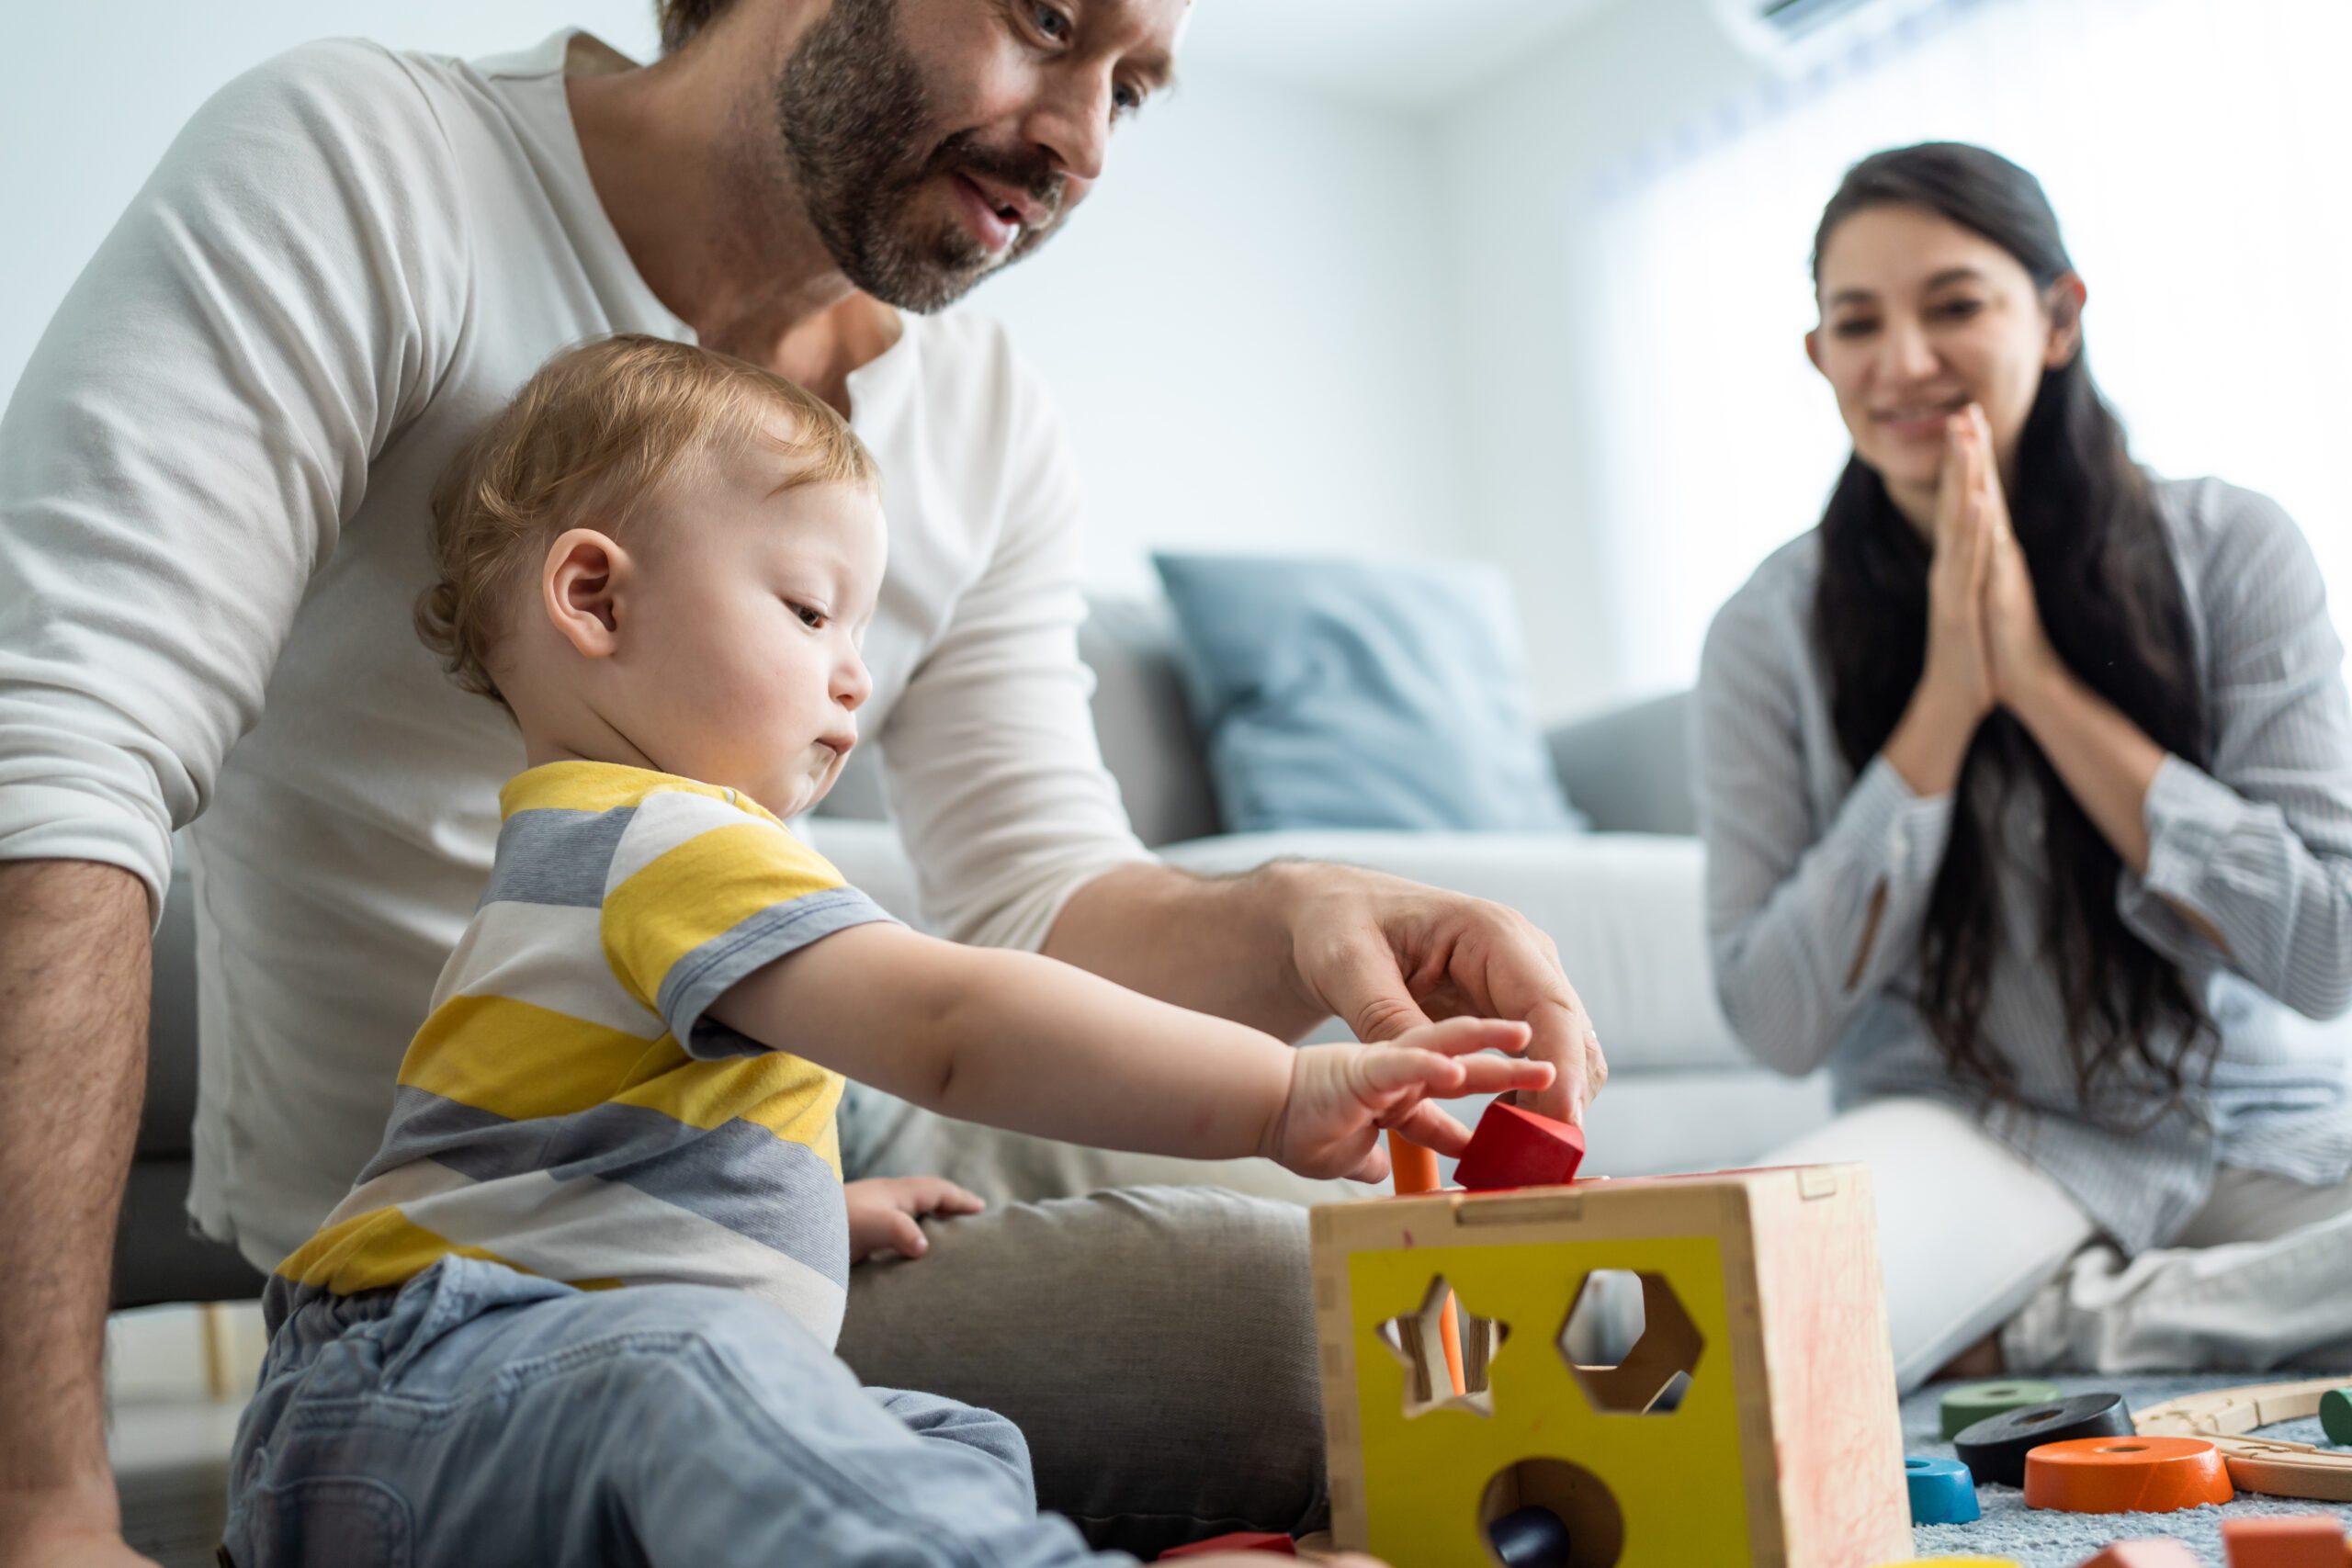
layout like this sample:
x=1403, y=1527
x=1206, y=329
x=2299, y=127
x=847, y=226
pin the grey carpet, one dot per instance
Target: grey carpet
x=2038, y=1539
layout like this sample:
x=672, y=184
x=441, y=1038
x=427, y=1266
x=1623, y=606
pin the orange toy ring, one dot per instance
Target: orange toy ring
x=2126, y=1475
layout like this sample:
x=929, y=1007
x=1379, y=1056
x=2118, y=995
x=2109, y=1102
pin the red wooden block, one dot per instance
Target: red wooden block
x=1518, y=1149
x=2285, y=1540
x=2145, y=1554
x=1240, y=1540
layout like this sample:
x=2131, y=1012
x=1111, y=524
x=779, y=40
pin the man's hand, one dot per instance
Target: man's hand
x=883, y=1212
x=1341, y=1096
x=1388, y=955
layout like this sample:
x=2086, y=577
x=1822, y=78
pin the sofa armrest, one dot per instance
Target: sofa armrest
x=1625, y=908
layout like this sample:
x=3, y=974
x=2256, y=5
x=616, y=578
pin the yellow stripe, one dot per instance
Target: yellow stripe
x=704, y=888
x=519, y=1061
x=590, y=786
x=374, y=1251
x=790, y=1097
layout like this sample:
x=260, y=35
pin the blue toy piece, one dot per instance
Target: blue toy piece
x=1942, y=1492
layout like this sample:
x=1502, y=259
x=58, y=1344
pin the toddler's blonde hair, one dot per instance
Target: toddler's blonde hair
x=590, y=438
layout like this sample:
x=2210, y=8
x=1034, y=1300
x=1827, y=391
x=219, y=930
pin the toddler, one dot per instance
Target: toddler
x=581, y=1305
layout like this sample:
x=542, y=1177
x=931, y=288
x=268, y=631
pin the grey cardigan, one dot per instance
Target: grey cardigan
x=1797, y=847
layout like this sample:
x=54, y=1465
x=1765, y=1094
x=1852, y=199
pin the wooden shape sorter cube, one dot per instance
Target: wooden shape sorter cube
x=1750, y=1422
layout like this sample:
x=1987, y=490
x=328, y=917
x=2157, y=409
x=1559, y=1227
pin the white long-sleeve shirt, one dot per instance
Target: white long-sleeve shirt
x=214, y=482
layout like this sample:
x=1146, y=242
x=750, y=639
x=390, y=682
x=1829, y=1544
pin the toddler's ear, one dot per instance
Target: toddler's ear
x=580, y=585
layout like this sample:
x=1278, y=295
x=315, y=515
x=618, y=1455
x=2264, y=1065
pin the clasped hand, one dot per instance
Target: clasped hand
x=1987, y=646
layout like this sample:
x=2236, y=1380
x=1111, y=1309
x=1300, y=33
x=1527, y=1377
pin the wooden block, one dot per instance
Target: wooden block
x=2145, y=1554
x=1518, y=1149
x=1942, y=1492
x=1996, y=1446
x=2287, y=1540
x=1239, y=1541
x=2126, y=1475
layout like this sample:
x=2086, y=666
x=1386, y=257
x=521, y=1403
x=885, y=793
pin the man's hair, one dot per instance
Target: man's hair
x=591, y=438
x=682, y=19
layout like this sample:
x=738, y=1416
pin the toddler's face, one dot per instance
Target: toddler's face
x=740, y=660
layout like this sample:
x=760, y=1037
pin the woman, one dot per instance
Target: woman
x=2026, y=782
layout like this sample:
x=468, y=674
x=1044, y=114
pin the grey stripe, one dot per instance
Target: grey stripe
x=704, y=975
x=740, y=1175
x=1798, y=850
x=552, y=856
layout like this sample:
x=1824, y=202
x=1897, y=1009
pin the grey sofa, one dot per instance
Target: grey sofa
x=1622, y=901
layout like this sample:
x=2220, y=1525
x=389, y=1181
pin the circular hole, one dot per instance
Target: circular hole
x=1547, y=1513
x=2036, y=1417
x=1915, y=1464
x=2125, y=1448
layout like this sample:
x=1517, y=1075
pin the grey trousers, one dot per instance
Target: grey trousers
x=1146, y=1323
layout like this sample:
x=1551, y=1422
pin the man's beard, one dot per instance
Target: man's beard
x=854, y=113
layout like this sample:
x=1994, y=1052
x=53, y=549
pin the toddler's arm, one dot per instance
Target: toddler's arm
x=1023, y=1042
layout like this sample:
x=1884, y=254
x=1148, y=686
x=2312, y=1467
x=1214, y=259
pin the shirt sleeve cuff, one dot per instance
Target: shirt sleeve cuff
x=2188, y=813
x=50, y=822
x=1891, y=829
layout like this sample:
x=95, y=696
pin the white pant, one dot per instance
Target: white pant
x=1975, y=1239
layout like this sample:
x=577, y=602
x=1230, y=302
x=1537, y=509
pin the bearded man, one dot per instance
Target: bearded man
x=215, y=480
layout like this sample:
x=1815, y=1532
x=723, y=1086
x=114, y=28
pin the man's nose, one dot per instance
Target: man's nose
x=1072, y=121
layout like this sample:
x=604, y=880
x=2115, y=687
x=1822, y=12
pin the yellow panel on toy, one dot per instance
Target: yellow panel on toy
x=1743, y=1414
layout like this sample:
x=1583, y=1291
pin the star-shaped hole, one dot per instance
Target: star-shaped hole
x=1417, y=1340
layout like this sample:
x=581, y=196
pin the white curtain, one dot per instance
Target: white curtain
x=2196, y=153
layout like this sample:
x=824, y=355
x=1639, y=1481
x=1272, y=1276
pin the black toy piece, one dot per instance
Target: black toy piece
x=1995, y=1447
x=1530, y=1537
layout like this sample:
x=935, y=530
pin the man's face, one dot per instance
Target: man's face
x=935, y=141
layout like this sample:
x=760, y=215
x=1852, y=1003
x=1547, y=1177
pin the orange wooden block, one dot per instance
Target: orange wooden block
x=2287, y=1540
x=2126, y=1475
x=2145, y=1554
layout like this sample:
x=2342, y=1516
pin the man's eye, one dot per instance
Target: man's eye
x=1051, y=22
x=1126, y=100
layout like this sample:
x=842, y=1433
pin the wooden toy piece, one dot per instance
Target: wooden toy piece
x=1962, y=1407
x=2336, y=1415
x=1412, y=1169
x=2126, y=1475
x=1942, y=1492
x=2289, y=1541
x=1239, y=1541
x=2145, y=1554
x=1761, y=1302
x=1995, y=1449
x=2228, y=1417
x=1518, y=1149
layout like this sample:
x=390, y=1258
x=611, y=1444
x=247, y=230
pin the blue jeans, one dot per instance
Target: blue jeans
x=481, y=1416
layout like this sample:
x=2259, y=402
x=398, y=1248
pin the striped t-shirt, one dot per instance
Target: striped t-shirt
x=567, y=1109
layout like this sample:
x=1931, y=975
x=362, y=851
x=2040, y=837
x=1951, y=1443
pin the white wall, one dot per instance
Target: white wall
x=1240, y=325
x=1520, y=158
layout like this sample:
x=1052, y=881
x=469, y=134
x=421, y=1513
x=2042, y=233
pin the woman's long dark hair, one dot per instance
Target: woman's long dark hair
x=2112, y=604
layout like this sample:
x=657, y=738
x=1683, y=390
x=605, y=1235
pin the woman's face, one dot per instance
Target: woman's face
x=1920, y=318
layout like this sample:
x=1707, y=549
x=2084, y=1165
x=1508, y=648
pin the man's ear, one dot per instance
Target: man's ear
x=580, y=584
x=1813, y=348
x=2067, y=297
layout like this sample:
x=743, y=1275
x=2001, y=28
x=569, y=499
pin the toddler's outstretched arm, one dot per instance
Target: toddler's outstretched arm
x=1026, y=1042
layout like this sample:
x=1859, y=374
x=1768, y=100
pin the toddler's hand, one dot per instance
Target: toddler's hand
x=1340, y=1096
x=882, y=1213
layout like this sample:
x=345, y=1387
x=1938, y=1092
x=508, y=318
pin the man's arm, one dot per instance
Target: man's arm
x=74, y=966
x=1291, y=943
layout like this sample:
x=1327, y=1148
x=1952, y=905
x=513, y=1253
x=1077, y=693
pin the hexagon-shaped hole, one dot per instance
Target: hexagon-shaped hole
x=1630, y=1343
x=1416, y=1339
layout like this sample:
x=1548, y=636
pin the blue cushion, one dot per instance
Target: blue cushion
x=1354, y=693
